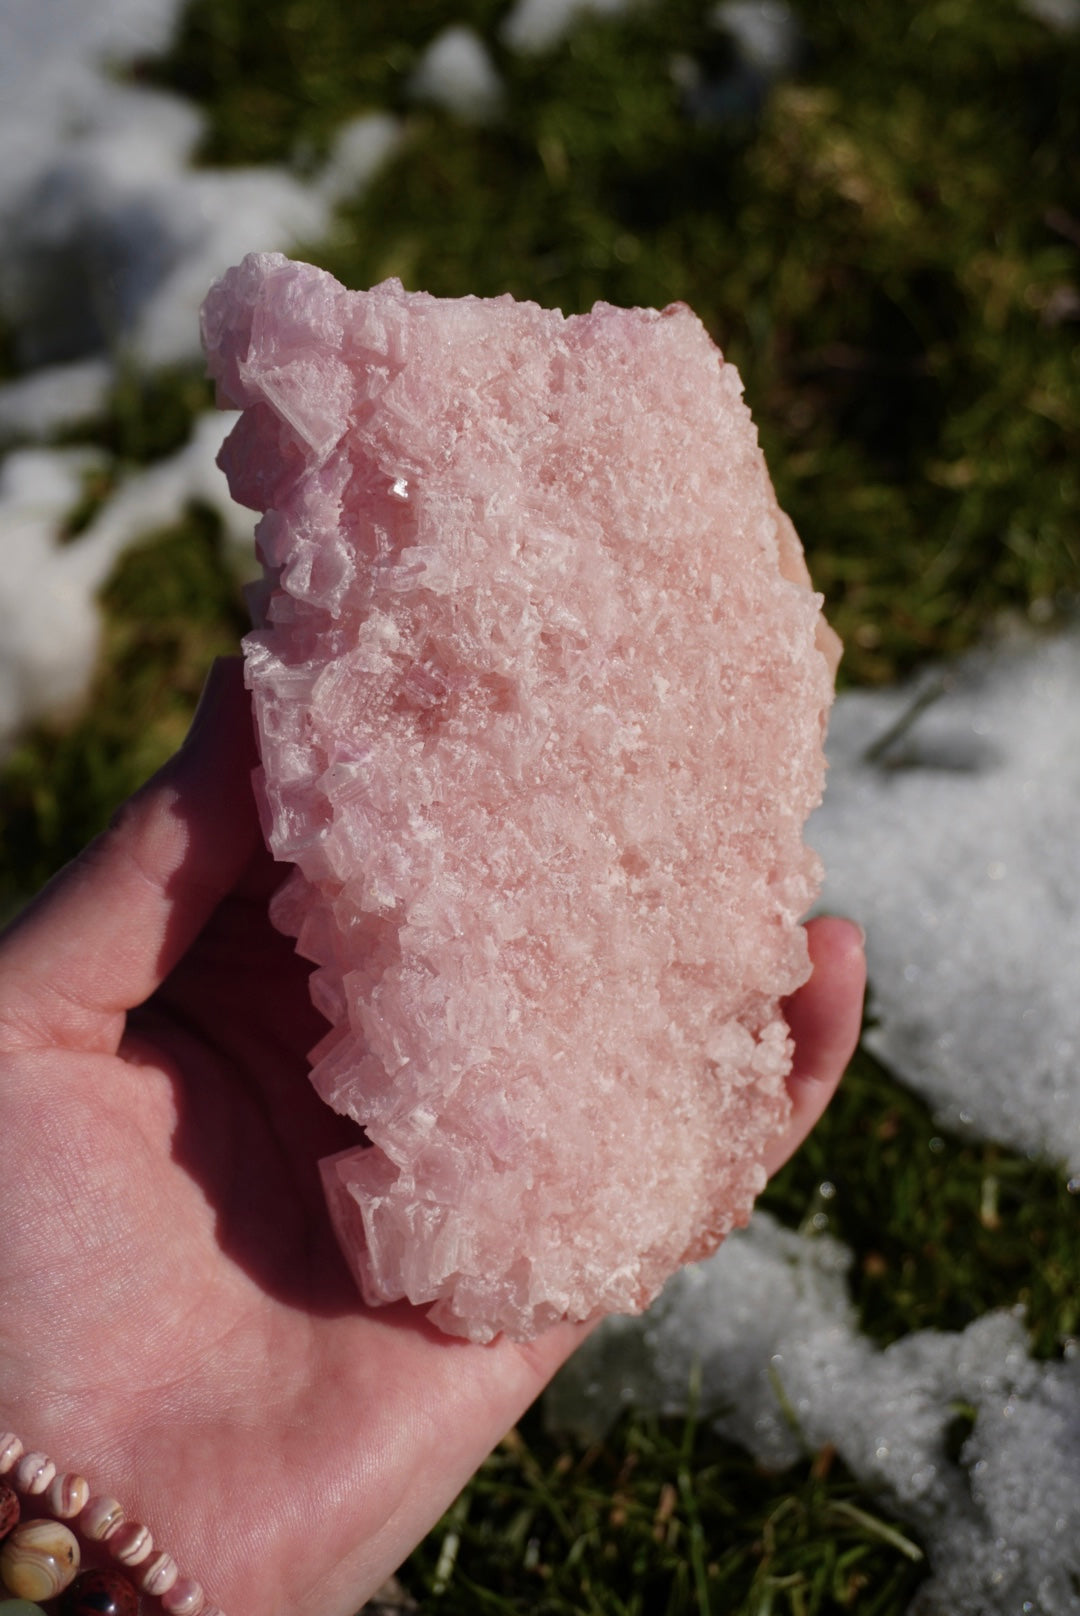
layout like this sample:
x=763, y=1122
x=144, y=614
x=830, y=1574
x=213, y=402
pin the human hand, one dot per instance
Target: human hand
x=176, y=1322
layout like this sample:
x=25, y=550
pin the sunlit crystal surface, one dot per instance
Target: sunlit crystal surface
x=540, y=721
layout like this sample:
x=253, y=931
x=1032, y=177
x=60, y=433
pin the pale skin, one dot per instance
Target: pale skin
x=175, y=1320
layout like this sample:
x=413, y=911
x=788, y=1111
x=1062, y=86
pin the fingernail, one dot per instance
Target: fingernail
x=846, y=920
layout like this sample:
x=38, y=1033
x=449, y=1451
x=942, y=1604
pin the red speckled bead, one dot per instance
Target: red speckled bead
x=131, y=1543
x=67, y=1496
x=11, y=1451
x=100, y=1518
x=158, y=1576
x=9, y=1509
x=100, y=1593
x=184, y=1598
x=33, y=1473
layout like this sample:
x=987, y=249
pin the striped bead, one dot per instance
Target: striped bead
x=9, y=1509
x=131, y=1543
x=67, y=1495
x=39, y=1559
x=100, y=1518
x=33, y=1473
x=160, y=1575
x=11, y=1451
x=184, y=1598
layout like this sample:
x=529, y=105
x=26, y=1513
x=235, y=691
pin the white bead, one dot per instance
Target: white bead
x=159, y=1576
x=67, y=1495
x=184, y=1598
x=11, y=1451
x=131, y=1543
x=34, y=1472
x=100, y=1518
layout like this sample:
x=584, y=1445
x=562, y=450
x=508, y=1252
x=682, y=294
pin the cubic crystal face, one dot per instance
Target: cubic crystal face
x=540, y=720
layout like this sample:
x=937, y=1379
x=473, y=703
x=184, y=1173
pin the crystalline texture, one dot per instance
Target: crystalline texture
x=540, y=721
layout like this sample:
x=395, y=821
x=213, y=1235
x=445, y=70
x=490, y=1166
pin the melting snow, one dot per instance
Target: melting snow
x=110, y=236
x=49, y=623
x=765, y=32
x=110, y=240
x=534, y=26
x=456, y=72
x=767, y=1331
x=949, y=830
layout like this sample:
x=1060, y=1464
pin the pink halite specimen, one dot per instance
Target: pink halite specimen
x=540, y=722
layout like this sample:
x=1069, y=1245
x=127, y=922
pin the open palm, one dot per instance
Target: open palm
x=175, y=1320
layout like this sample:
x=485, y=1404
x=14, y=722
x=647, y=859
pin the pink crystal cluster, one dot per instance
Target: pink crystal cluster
x=540, y=721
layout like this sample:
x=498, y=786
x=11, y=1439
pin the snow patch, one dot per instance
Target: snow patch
x=48, y=619
x=949, y=831
x=359, y=149
x=762, y=1339
x=456, y=73
x=110, y=236
x=42, y=402
x=1063, y=16
x=110, y=240
x=49, y=623
x=764, y=31
x=534, y=26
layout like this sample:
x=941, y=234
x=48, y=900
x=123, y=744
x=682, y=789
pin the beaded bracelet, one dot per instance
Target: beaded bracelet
x=40, y=1556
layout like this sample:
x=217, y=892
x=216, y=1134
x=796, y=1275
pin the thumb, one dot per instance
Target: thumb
x=111, y=925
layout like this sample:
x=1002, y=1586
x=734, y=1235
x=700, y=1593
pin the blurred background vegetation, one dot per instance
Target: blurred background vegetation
x=885, y=237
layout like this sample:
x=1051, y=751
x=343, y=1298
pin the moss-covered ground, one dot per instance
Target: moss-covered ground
x=886, y=241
